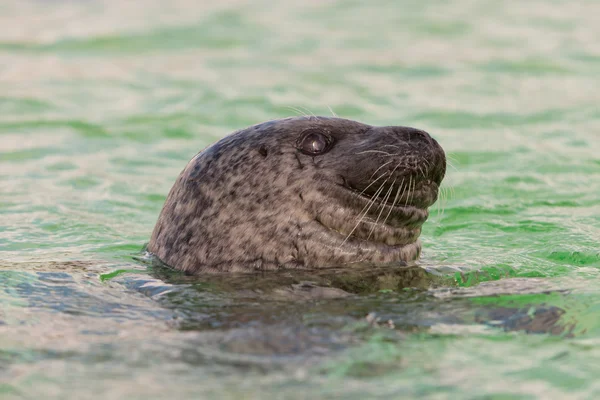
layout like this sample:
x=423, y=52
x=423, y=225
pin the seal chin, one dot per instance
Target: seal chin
x=351, y=249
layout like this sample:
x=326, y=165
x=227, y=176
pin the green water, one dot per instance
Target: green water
x=102, y=103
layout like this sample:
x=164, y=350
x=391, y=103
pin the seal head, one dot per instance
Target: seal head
x=302, y=192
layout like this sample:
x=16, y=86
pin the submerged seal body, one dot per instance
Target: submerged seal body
x=302, y=192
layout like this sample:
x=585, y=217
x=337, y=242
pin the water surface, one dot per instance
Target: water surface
x=102, y=103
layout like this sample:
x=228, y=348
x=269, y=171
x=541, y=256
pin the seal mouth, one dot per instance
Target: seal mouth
x=393, y=220
x=414, y=191
x=391, y=208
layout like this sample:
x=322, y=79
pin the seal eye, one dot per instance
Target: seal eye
x=314, y=143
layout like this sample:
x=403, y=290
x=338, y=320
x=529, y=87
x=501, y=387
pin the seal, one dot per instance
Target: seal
x=301, y=192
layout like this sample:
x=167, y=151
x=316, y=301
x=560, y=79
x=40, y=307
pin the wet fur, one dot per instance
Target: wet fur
x=253, y=201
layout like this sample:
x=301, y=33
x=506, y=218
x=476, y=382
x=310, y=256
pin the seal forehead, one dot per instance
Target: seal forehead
x=295, y=125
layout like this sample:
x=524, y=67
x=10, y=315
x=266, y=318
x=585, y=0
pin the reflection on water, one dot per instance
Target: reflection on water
x=299, y=326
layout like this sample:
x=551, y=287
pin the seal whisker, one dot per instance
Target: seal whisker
x=442, y=203
x=332, y=112
x=369, y=204
x=297, y=111
x=378, y=192
x=414, y=188
x=408, y=191
x=376, y=151
x=385, y=200
x=381, y=166
x=427, y=166
x=403, y=187
x=310, y=113
x=375, y=196
x=390, y=174
x=440, y=199
x=380, y=176
x=451, y=157
x=452, y=166
x=411, y=190
x=448, y=192
x=392, y=145
x=394, y=202
x=371, y=199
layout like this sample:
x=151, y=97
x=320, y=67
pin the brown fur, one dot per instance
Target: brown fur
x=253, y=201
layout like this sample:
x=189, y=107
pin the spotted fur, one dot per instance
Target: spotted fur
x=253, y=201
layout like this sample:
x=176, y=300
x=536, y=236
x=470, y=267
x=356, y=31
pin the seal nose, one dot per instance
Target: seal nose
x=422, y=143
x=419, y=135
x=408, y=135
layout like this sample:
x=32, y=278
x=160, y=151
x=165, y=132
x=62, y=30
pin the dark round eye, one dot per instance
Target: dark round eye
x=314, y=143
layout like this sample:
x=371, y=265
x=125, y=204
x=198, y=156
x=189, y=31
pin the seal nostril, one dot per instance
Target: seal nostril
x=412, y=135
x=423, y=136
x=263, y=151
